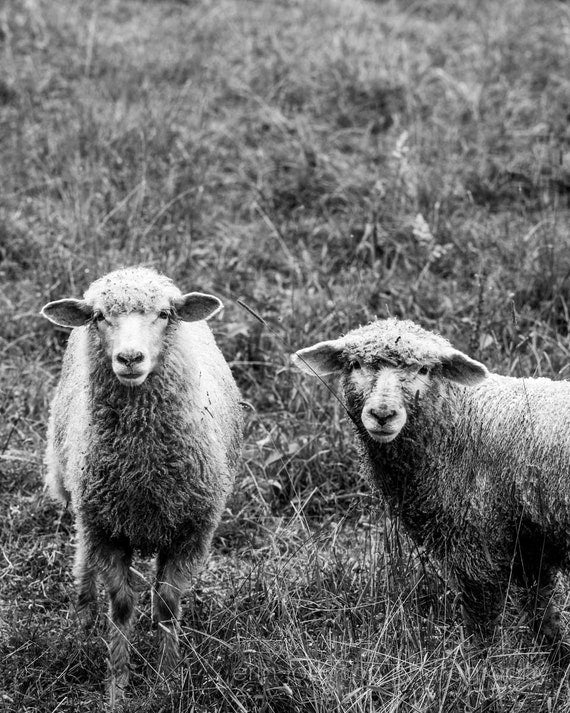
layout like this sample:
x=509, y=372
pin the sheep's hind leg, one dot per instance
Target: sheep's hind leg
x=543, y=607
x=114, y=565
x=174, y=570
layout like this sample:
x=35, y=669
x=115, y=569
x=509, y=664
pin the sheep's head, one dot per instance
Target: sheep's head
x=129, y=311
x=386, y=368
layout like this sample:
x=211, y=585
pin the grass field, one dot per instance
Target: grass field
x=324, y=162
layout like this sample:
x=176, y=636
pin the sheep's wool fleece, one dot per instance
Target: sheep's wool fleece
x=153, y=463
x=475, y=468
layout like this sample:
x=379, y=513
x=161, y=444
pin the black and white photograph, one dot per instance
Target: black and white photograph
x=285, y=356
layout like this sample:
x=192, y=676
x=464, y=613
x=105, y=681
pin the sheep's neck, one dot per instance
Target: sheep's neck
x=403, y=469
x=138, y=464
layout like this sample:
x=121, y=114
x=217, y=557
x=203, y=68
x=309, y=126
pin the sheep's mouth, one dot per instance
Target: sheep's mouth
x=382, y=435
x=131, y=378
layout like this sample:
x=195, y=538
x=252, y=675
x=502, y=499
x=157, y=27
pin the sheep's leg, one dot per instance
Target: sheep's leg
x=85, y=572
x=481, y=608
x=541, y=603
x=538, y=574
x=171, y=582
x=174, y=570
x=114, y=564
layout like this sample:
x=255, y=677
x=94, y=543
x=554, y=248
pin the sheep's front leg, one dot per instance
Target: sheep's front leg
x=481, y=606
x=114, y=565
x=85, y=571
x=174, y=570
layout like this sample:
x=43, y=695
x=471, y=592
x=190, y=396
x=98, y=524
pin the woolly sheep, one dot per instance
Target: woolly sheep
x=475, y=464
x=143, y=439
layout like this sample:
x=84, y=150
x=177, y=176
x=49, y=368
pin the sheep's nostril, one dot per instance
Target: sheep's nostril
x=129, y=358
x=382, y=416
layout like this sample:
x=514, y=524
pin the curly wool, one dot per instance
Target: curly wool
x=144, y=463
x=171, y=480
x=466, y=476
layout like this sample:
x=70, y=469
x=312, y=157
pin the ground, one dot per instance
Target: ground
x=315, y=164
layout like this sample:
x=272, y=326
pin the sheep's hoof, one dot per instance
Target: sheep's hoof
x=474, y=648
x=169, y=649
x=559, y=656
x=490, y=705
x=116, y=692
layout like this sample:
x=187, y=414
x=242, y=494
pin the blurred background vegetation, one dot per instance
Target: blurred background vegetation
x=324, y=163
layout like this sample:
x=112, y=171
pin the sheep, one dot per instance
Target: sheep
x=143, y=441
x=475, y=464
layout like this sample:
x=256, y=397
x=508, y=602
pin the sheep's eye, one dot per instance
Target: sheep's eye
x=423, y=370
x=355, y=365
x=164, y=314
x=98, y=317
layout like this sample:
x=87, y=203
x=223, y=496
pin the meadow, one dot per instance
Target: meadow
x=315, y=164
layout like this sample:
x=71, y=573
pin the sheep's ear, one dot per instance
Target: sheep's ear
x=196, y=306
x=321, y=359
x=458, y=367
x=68, y=313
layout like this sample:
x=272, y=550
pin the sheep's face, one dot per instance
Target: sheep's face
x=383, y=394
x=386, y=369
x=131, y=321
x=132, y=342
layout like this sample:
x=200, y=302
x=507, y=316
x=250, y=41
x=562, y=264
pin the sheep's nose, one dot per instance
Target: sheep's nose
x=130, y=357
x=382, y=415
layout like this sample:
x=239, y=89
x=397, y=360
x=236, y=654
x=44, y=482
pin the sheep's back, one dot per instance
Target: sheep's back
x=528, y=434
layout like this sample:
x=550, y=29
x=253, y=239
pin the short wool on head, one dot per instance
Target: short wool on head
x=143, y=440
x=476, y=464
x=135, y=289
